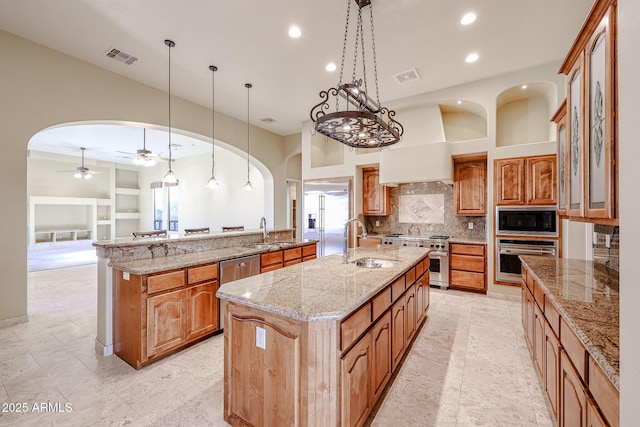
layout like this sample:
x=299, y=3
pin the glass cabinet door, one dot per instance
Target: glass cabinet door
x=575, y=115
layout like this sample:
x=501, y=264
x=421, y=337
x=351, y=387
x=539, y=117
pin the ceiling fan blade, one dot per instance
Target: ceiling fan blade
x=125, y=152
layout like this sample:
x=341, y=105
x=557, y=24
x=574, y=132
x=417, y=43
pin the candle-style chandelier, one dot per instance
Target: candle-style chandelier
x=358, y=120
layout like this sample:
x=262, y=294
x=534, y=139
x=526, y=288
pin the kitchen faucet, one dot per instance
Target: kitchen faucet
x=263, y=225
x=345, y=242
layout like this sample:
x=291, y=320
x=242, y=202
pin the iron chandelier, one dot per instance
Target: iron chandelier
x=367, y=124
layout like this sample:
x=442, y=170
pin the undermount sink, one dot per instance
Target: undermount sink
x=375, y=263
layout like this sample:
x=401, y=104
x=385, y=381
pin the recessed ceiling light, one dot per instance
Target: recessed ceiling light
x=468, y=18
x=523, y=87
x=294, y=32
x=472, y=57
x=459, y=102
x=331, y=67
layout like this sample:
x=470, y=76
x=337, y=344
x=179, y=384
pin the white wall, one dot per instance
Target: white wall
x=629, y=177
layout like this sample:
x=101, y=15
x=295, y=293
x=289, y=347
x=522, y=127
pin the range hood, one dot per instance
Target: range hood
x=417, y=163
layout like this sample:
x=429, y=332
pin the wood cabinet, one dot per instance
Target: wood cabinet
x=412, y=314
x=551, y=369
x=292, y=256
x=538, y=341
x=560, y=119
x=271, y=261
x=573, y=397
x=381, y=355
x=468, y=267
x=375, y=197
x=369, y=241
x=399, y=334
x=470, y=186
x=308, y=252
x=356, y=388
x=275, y=260
x=157, y=314
x=591, y=141
x=526, y=180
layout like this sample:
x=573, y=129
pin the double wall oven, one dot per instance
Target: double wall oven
x=523, y=230
x=438, y=257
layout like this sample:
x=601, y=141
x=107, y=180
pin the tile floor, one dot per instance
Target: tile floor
x=469, y=367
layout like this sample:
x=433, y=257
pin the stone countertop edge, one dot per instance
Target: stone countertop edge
x=311, y=291
x=171, y=238
x=175, y=262
x=606, y=365
x=467, y=241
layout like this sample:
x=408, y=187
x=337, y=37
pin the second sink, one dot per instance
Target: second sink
x=375, y=263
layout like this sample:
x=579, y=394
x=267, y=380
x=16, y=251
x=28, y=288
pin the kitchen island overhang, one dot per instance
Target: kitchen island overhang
x=302, y=342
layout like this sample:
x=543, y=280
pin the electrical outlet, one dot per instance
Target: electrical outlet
x=470, y=225
x=607, y=240
x=261, y=338
x=377, y=223
x=595, y=237
x=125, y=276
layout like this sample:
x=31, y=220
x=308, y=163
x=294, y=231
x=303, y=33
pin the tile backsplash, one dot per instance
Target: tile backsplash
x=455, y=226
x=610, y=256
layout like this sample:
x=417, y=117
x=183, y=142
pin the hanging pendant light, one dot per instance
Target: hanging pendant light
x=248, y=186
x=170, y=177
x=213, y=183
x=370, y=124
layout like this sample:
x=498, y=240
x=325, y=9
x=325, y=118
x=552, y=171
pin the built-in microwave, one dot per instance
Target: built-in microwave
x=527, y=220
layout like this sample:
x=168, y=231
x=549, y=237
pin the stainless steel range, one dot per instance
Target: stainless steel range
x=438, y=257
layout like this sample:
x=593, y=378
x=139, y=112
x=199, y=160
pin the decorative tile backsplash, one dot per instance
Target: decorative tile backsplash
x=610, y=256
x=425, y=198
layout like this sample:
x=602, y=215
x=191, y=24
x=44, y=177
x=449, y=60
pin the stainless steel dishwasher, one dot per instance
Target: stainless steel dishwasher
x=236, y=269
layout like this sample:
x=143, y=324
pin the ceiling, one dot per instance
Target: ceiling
x=248, y=42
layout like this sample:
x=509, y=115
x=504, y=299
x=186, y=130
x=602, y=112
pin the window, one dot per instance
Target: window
x=173, y=205
x=158, y=208
x=166, y=203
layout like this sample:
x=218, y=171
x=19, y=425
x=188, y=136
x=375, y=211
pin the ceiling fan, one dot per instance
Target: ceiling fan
x=83, y=172
x=144, y=157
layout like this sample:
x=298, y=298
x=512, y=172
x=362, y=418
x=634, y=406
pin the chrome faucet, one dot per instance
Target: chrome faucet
x=345, y=241
x=263, y=225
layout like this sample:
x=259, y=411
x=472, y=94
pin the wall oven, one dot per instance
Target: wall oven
x=508, y=250
x=527, y=220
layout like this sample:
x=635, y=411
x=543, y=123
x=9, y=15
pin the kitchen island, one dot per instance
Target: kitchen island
x=316, y=343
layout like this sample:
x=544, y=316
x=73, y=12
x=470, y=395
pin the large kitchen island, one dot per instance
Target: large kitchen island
x=317, y=342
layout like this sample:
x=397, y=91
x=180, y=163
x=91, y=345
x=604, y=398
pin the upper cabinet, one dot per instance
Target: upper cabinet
x=375, y=197
x=526, y=180
x=589, y=143
x=560, y=119
x=470, y=185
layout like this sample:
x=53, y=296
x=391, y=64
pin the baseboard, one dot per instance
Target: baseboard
x=13, y=321
x=105, y=350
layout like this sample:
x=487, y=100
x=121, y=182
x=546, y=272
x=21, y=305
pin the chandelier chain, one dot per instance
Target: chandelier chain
x=364, y=59
x=375, y=62
x=213, y=119
x=355, y=50
x=344, y=48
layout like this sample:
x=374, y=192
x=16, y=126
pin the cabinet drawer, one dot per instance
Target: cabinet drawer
x=352, y=327
x=200, y=274
x=164, y=282
x=530, y=281
x=605, y=394
x=410, y=277
x=309, y=251
x=381, y=302
x=552, y=315
x=293, y=253
x=467, y=279
x=271, y=267
x=271, y=258
x=425, y=264
x=397, y=288
x=419, y=269
x=574, y=348
x=292, y=262
x=467, y=262
x=538, y=295
x=463, y=249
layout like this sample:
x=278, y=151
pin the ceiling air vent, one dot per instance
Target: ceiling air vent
x=268, y=120
x=406, y=76
x=120, y=56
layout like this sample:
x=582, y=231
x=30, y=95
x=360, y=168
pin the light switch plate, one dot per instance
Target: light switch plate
x=261, y=338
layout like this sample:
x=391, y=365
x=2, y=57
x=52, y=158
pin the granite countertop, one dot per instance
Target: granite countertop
x=142, y=241
x=587, y=296
x=173, y=262
x=324, y=288
x=467, y=241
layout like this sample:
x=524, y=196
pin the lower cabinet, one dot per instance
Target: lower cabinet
x=398, y=327
x=468, y=267
x=202, y=310
x=276, y=260
x=551, y=369
x=166, y=322
x=538, y=340
x=573, y=397
x=412, y=314
x=381, y=351
x=355, y=368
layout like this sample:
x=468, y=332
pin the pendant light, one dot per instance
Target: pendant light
x=213, y=183
x=248, y=186
x=170, y=177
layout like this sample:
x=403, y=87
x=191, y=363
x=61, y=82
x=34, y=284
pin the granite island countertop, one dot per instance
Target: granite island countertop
x=173, y=262
x=587, y=296
x=324, y=288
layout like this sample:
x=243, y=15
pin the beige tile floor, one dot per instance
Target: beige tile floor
x=468, y=367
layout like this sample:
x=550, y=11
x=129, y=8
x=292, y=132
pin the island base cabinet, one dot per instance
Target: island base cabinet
x=398, y=332
x=381, y=343
x=551, y=368
x=356, y=394
x=573, y=397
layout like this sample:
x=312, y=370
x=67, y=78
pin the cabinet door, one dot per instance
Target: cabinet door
x=560, y=119
x=530, y=324
x=398, y=333
x=470, y=186
x=375, y=196
x=202, y=313
x=381, y=351
x=538, y=340
x=411, y=319
x=419, y=300
x=541, y=180
x=551, y=369
x=166, y=322
x=355, y=370
x=599, y=144
x=594, y=418
x=575, y=122
x=573, y=398
x=509, y=181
